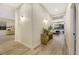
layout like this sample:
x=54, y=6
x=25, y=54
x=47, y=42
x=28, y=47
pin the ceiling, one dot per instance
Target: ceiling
x=55, y=8
x=52, y=8
x=12, y=5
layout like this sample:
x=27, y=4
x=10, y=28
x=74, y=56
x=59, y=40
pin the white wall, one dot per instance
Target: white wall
x=7, y=12
x=9, y=22
x=39, y=15
x=69, y=29
x=29, y=31
x=23, y=32
x=77, y=29
x=58, y=20
x=73, y=24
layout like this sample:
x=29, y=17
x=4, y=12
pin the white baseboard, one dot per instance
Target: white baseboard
x=36, y=45
x=28, y=46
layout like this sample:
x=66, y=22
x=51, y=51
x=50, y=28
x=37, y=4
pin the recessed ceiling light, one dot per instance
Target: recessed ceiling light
x=56, y=9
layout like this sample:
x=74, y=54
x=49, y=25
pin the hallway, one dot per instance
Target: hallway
x=54, y=47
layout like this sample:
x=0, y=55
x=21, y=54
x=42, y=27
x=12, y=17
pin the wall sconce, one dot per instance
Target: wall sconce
x=45, y=21
x=22, y=18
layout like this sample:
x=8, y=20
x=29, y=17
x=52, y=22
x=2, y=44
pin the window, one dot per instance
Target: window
x=2, y=25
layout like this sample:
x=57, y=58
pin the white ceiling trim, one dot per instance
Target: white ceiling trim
x=55, y=16
x=11, y=5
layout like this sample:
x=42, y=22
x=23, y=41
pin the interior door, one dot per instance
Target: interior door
x=70, y=30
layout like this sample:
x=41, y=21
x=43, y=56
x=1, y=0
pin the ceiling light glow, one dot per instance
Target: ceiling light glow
x=56, y=9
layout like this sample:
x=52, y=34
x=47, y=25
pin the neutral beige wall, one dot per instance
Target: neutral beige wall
x=39, y=14
x=8, y=21
x=7, y=11
x=77, y=29
x=69, y=29
x=23, y=32
x=29, y=31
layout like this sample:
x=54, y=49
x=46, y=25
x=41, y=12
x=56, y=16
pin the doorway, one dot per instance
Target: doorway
x=70, y=29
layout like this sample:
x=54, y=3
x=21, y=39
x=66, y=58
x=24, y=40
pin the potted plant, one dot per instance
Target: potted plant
x=46, y=35
x=49, y=32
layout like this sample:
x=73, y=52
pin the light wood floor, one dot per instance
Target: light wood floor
x=9, y=47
